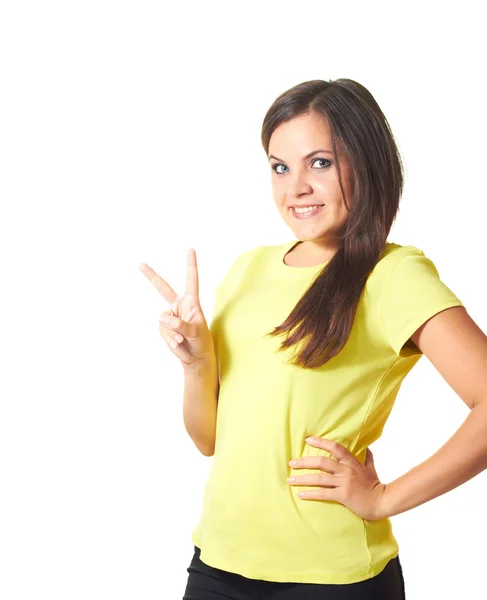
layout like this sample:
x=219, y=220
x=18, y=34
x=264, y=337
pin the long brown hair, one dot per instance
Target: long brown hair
x=361, y=133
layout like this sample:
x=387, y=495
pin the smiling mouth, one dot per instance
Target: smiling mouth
x=306, y=213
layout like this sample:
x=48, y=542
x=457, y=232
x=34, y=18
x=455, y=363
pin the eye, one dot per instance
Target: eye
x=322, y=159
x=275, y=167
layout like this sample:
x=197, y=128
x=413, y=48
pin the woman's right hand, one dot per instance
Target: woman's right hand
x=183, y=326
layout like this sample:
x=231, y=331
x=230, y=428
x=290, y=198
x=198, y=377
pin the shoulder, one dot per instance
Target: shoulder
x=411, y=292
x=237, y=265
x=394, y=253
x=402, y=261
x=402, y=270
x=250, y=256
x=257, y=256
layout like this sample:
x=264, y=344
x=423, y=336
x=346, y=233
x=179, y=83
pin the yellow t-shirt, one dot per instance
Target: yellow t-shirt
x=253, y=523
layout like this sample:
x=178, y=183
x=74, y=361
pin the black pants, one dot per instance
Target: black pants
x=209, y=583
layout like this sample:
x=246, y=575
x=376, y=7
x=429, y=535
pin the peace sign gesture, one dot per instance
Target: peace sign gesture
x=184, y=326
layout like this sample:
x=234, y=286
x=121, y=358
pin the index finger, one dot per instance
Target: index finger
x=192, y=283
x=159, y=283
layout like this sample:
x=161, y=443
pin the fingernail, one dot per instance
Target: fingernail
x=292, y=463
x=165, y=320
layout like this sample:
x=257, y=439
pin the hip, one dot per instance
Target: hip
x=206, y=582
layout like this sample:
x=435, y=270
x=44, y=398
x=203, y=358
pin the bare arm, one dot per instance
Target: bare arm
x=185, y=330
x=457, y=347
x=462, y=457
x=201, y=387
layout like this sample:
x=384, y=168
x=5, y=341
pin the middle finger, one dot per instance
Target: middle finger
x=312, y=479
x=316, y=462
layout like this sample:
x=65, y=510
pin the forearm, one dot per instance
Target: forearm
x=462, y=457
x=200, y=402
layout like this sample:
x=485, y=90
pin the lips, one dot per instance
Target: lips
x=304, y=205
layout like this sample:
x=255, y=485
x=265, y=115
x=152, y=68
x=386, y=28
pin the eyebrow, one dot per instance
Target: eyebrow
x=307, y=155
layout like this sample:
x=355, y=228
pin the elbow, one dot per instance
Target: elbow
x=207, y=451
x=204, y=443
x=206, y=448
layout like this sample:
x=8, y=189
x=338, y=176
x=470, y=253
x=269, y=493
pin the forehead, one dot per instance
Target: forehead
x=302, y=133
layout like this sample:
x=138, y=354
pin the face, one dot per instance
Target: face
x=298, y=179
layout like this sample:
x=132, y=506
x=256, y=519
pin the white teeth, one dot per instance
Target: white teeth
x=305, y=210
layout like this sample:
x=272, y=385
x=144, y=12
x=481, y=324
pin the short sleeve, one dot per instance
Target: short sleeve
x=224, y=289
x=413, y=293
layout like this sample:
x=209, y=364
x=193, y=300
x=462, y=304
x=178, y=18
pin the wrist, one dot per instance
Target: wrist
x=200, y=367
x=383, y=509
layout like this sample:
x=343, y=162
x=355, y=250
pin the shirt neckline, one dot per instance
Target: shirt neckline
x=284, y=249
x=288, y=270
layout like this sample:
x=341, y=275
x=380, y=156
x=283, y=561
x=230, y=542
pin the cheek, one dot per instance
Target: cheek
x=327, y=185
x=278, y=195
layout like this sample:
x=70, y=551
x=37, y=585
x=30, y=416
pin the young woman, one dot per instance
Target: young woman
x=313, y=337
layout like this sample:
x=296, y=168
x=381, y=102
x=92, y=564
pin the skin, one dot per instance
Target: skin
x=299, y=180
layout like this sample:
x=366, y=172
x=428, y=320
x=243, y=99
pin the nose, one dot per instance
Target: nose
x=298, y=185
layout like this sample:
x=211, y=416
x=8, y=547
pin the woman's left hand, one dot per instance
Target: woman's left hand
x=345, y=480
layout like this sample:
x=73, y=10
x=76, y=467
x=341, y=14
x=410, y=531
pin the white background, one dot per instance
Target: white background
x=130, y=132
